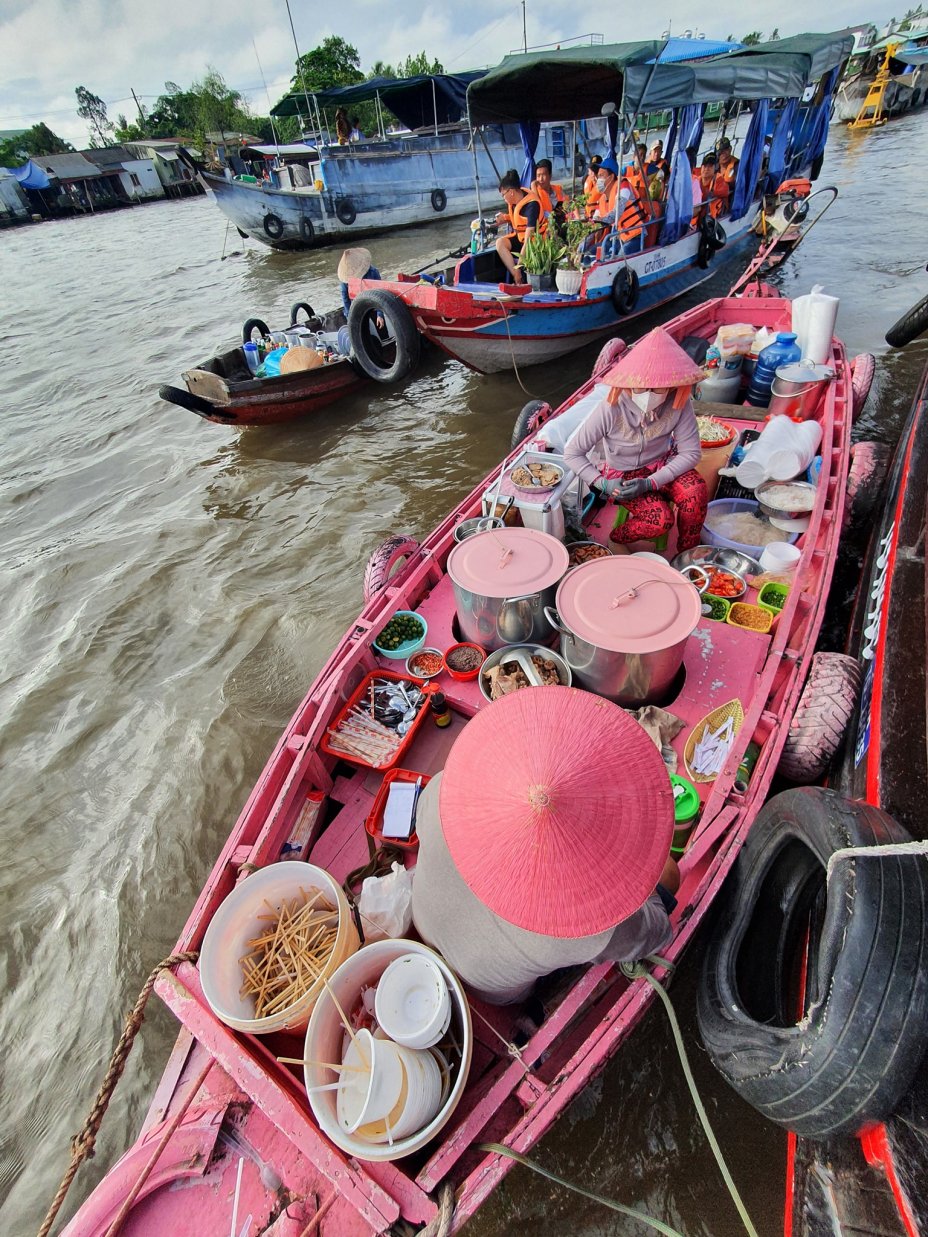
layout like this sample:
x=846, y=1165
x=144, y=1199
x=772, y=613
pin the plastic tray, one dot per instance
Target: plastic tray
x=355, y=699
x=738, y=608
x=773, y=596
x=374, y=822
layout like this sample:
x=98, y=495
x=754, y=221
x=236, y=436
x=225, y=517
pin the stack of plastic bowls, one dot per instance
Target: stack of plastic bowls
x=412, y=1003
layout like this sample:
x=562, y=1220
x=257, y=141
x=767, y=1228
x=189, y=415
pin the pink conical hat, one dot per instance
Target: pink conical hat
x=655, y=361
x=557, y=811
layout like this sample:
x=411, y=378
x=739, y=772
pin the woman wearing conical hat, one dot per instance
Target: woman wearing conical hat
x=646, y=430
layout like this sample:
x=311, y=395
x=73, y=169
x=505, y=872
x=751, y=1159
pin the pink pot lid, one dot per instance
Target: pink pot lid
x=508, y=562
x=594, y=602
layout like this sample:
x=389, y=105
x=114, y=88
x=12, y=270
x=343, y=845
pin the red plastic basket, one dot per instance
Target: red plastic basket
x=355, y=698
x=374, y=822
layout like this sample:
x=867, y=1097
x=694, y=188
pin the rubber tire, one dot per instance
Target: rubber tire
x=399, y=322
x=439, y=200
x=273, y=226
x=705, y=249
x=909, y=326
x=193, y=403
x=295, y=310
x=854, y=1054
x=346, y=212
x=823, y=714
x=625, y=289
x=528, y=420
x=863, y=368
x=307, y=230
x=609, y=353
x=381, y=563
x=254, y=324
x=866, y=478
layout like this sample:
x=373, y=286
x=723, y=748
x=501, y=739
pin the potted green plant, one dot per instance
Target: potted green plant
x=569, y=274
x=539, y=258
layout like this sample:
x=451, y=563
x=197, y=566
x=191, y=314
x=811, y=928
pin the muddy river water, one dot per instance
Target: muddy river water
x=171, y=587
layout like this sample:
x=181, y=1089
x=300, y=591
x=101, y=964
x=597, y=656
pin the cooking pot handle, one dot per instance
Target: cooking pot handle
x=555, y=620
x=700, y=585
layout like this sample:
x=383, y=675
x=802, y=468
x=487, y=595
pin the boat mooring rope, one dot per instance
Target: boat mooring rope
x=867, y=852
x=637, y=970
x=82, y=1144
x=512, y=353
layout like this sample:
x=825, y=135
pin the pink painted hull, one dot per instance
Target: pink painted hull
x=509, y=1098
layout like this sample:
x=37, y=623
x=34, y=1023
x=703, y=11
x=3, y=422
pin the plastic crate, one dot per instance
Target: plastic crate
x=355, y=698
x=374, y=822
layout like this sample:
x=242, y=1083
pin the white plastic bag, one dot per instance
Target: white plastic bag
x=385, y=904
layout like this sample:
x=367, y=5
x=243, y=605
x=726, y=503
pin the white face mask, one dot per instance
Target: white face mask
x=625, y=195
x=600, y=183
x=647, y=401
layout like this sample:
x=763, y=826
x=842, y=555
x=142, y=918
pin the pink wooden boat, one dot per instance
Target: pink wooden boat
x=224, y=1100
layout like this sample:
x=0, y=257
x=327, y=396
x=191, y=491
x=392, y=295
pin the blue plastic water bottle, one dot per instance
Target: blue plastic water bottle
x=783, y=351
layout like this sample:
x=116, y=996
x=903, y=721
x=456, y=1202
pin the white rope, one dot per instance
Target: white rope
x=866, y=852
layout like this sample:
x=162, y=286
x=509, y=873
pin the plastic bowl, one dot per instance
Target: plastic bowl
x=507, y=654
x=465, y=676
x=370, y=1086
x=717, y=607
x=773, y=596
x=784, y=513
x=421, y=674
x=412, y=1002
x=731, y=506
x=242, y=917
x=742, y=613
x=403, y=650
x=325, y=1035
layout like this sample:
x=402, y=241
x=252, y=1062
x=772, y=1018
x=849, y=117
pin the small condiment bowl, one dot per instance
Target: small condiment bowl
x=422, y=674
x=412, y=1003
x=465, y=676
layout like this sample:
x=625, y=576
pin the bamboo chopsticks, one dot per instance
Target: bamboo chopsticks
x=289, y=956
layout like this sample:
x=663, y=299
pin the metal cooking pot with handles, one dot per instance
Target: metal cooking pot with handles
x=624, y=624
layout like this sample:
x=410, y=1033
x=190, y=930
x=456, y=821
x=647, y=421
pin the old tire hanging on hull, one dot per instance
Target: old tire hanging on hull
x=863, y=368
x=307, y=229
x=387, y=352
x=535, y=412
x=909, y=326
x=439, y=200
x=381, y=563
x=625, y=290
x=865, y=480
x=823, y=714
x=254, y=324
x=854, y=1053
x=345, y=211
x=273, y=226
x=609, y=353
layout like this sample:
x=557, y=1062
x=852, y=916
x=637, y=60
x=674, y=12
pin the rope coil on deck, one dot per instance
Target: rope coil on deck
x=82, y=1144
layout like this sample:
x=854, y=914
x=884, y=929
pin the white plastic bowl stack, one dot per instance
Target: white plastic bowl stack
x=347, y=1103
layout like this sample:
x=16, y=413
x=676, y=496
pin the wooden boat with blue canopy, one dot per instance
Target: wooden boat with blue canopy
x=475, y=317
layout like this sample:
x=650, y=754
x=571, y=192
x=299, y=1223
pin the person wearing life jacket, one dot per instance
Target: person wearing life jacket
x=714, y=186
x=552, y=197
x=656, y=204
x=656, y=162
x=589, y=185
x=727, y=163
x=617, y=204
x=635, y=175
x=524, y=216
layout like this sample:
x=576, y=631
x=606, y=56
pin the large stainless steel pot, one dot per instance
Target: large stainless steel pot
x=628, y=629
x=493, y=573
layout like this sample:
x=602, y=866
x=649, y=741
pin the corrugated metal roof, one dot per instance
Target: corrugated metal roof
x=106, y=156
x=67, y=167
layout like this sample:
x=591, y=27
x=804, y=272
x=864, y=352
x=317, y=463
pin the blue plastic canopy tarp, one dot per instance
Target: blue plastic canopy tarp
x=529, y=131
x=776, y=160
x=679, y=207
x=29, y=176
x=752, y=155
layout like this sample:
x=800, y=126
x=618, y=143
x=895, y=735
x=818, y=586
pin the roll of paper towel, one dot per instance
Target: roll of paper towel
x=776, y=435
x=814, y=317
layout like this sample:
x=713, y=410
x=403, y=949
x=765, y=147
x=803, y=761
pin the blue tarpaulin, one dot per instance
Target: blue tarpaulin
x=752, y=154
x=529, y=131
x=679, y=208
x=688, y=123
x=776, y=160
x=809, y=141
x=29, y=176
x=692, y=49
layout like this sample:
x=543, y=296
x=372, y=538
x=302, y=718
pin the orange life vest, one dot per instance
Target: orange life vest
x=549, y=198
x=637, y=182
x=632, y=220
x=654, y=229
x=517, y=219
x=589, y=185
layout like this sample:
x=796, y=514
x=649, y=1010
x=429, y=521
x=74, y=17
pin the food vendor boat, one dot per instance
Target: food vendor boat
x=492, y=326
x=230, y=1131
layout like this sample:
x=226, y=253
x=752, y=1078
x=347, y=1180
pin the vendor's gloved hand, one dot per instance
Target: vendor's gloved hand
x=634, y=488
x=598, y=492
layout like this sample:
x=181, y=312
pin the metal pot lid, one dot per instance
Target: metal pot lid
x=508, y=562
x=628, y=604
x=805, y=371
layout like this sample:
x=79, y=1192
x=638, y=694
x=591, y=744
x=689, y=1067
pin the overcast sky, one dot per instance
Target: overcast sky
x=111, y=46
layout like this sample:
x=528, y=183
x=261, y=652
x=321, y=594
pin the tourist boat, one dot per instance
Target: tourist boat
x=876, y=1183
x=478, y=319
x=225, y=391
x=388, y=181
x=891, y=74
x=228, y=1118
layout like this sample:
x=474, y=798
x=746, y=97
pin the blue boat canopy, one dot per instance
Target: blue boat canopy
x=438, y=98
x=575, y=83
x=29, y=176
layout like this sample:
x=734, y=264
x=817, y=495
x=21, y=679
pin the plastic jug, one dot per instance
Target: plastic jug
x=782, y=351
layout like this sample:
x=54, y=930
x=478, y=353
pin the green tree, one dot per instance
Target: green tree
x=752, y=39
x=39, y=140
x=414, y=66
x=90, y=107
x=774, y=35
x=333, y=63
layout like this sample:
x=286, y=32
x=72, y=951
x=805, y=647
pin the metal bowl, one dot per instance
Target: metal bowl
x=419, y=674
x=478, y=524
x=536, y=487
x=508, y=653
x=784, y=513
x=576, y=545
x=718, y=556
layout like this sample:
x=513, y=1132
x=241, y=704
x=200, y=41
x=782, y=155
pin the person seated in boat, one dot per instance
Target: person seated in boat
x=713, y=187
x=354, y=264
x=342, y=126
x=655, y=161
x=692, y=154
x=636, y=175
x=496, y=932
x=589, y=185
x=617, y=206
x=645, y=431
x=552, y=197
x=656, y=205
x=727, y=163
x=524, y=216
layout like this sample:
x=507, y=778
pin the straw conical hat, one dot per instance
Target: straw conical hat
x=354, y=264
x=557, y=811
x=297, y=359
x=655, y=361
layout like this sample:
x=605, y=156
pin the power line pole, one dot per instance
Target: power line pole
x=524, y=34
x=138, y=105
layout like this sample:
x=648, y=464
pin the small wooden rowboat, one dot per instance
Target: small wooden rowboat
x=225, y=1095
x=223, y=389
